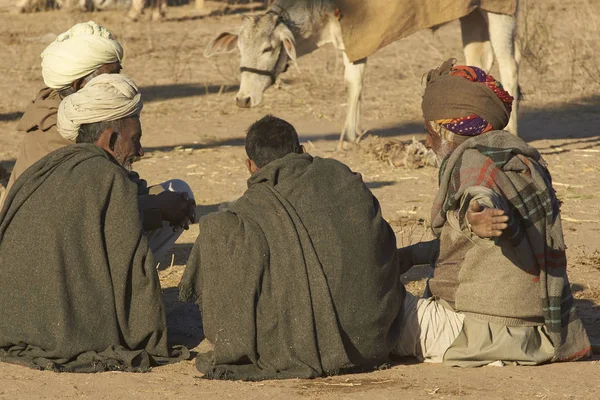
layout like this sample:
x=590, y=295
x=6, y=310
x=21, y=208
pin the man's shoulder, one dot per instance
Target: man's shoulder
x=228, y=221
x=332, y=164
x=336, y=170
x=328, y=161
x=86, y=159
x=41, y=112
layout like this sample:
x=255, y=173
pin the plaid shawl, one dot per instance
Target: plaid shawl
x=506, y=164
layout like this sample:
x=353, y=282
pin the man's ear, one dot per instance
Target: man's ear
x=252, y=167
x=107, y=140
x=225, y=42
x=113, y=140
x=302, y=149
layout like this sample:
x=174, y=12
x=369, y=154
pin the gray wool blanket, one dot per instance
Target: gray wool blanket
x=79, y=290
x=297, y=279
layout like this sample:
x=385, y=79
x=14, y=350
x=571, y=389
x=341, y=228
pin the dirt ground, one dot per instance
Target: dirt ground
x=193, y=130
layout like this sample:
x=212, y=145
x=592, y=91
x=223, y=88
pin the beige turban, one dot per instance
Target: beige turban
x=107, y=97
x=78, y=52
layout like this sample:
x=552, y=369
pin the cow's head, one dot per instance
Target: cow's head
x=266, y=45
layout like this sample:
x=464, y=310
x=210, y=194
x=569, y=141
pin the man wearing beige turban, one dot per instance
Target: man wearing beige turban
x=84, y=52
x=79, y=290
x=76, y=56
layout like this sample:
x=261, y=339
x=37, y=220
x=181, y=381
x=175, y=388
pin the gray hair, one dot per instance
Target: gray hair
x=90, y=133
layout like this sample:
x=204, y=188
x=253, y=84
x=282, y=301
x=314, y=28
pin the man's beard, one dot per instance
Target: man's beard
x=443, y=152
x=123, y=161
x=438, y=160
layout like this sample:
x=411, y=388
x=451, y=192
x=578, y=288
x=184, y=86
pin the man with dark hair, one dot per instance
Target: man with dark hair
x=83, y=294
x=299, y=277
x=268, y=139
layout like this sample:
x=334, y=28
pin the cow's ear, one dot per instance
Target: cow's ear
x=224, y=43
x=287, y=38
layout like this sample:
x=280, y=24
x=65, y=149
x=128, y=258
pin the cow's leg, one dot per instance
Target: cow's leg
x=353, y=76
x=24, y=6
x=476, y=41
x=159, y=9
x=502, y=36
x=136, y=10
x=86, y=5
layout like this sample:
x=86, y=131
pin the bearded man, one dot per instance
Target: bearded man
x=85, y=51
x=78, y=283
x=73, y=59
x=500, y=291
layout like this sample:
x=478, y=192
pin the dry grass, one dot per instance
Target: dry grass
x=535, y=36
x=590, y=258
x=409, y=229
x=551, y=52
x=396, y=153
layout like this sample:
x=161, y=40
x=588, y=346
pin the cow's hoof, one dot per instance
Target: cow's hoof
x=158, y=16
x=344, y=146
x=132, y=16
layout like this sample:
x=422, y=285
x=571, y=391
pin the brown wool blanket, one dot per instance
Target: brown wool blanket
x=369, y=25
x=298, y=278
x=79, y=289
x=502, y=162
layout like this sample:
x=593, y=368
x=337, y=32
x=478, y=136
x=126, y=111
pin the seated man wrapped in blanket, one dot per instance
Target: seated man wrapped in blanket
x=69, y=63
x=78, y=283
x=299, y=277
x=499, y=295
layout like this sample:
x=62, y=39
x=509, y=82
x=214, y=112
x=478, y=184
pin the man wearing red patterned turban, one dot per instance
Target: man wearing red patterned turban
x=500, y=292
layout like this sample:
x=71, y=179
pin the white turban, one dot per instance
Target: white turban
x=107, y=97
x=78, y=52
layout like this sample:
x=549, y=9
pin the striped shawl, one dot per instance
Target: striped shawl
x=507, y=165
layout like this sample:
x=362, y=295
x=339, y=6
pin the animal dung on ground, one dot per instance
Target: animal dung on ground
x=396, y=153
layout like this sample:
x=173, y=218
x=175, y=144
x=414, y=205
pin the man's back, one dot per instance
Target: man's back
x=40, y=135
x=344, y=222
x=309, y=239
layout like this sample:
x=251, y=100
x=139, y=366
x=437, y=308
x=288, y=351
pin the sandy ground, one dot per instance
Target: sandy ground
x=192, y=130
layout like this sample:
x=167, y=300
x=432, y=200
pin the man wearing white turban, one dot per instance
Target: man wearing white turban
x=70, y=63
x=83, y=294
x=76, y=56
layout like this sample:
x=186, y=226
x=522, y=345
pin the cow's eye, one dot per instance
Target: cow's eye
x=267, y=49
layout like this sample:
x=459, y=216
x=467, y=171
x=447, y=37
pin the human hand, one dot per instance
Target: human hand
x=486, y=222
x=177, y=209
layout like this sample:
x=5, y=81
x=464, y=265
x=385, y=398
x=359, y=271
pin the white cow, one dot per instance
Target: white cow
x=292, y=28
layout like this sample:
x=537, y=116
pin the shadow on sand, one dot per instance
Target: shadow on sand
x=576, y=120
x=183, y=90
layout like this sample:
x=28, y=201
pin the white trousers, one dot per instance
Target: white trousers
x=428, y=329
